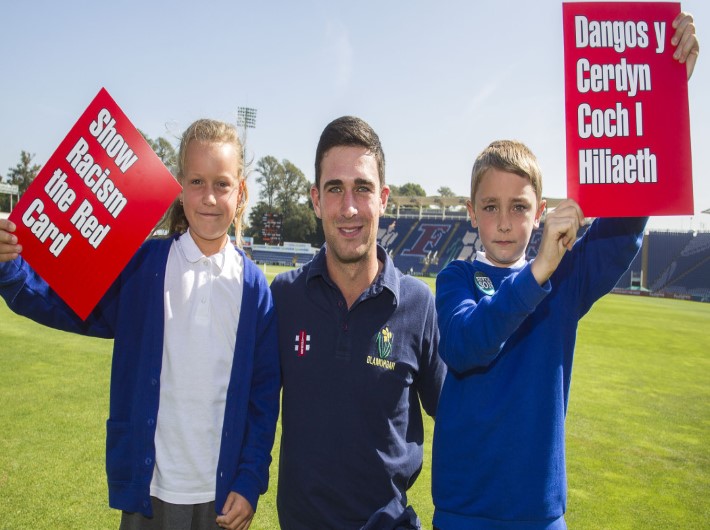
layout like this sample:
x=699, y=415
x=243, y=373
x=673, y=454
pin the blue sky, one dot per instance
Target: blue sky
x=437, y=80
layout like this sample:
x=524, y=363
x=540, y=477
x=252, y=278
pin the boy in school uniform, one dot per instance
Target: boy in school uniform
x=507, y=334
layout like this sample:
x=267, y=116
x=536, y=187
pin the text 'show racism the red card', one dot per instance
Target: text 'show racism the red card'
x=92, y=204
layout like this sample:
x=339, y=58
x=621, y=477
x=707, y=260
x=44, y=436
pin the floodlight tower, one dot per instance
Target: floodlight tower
x=246, y=119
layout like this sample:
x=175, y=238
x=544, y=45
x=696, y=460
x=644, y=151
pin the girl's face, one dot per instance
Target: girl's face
x=211, y=190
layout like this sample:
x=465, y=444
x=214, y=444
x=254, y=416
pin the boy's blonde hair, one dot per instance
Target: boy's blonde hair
x=211, y=131
x=510, y=156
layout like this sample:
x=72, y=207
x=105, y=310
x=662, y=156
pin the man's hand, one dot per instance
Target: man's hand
x=236, y=514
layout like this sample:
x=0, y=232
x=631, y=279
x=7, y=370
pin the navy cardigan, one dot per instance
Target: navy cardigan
x=132, y=313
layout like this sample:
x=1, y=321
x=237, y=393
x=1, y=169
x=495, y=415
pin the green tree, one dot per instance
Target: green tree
x=165, y=151
x=5, y=200
x=445, y=191
x=21, y=175
x=411, y=190
x=271, y=172
x=24, y=172
x=284, y=190
x=294, y=187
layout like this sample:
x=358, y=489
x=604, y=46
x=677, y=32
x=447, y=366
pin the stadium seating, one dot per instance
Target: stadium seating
x=274, y=257
x=678, y=263
x=688, y=269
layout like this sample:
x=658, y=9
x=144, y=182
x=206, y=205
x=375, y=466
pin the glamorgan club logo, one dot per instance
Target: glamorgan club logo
x=383, y=340
x=303, y=343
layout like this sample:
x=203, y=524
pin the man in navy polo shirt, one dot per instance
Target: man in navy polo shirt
x=358, y=343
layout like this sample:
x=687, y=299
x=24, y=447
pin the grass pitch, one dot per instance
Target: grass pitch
x=638, y=423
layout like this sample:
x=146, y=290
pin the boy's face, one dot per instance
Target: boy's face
x=349, y=202
x=505, y=211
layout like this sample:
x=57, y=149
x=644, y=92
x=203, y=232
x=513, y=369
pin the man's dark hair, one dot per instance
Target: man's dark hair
x=349, y=131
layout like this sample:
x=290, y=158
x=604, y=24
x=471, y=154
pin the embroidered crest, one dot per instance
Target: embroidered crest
x=384, y=342
x=303, y=341
x=484, y=283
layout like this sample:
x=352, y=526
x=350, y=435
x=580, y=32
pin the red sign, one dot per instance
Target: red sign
x=628, y=126
x=91, y=206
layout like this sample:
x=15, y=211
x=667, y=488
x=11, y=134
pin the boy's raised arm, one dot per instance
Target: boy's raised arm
x=558, y=236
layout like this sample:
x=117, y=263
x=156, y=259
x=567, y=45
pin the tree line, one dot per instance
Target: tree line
x=283, y=190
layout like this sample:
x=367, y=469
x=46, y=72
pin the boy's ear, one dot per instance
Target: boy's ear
x=540, y=210
x=471, y=213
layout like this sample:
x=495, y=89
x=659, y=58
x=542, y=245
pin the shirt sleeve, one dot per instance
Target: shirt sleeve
x=600, y=257
x=432, y=369
x=27, y=294
x=263, y=410
x=474, y=330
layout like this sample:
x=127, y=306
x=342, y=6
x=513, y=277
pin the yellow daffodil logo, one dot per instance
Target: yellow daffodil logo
x=384, y=342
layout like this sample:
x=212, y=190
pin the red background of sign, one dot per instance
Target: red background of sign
x=81, y=274
x=665, y=116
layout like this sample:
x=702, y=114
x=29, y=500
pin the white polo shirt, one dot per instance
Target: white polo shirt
x=202, y=304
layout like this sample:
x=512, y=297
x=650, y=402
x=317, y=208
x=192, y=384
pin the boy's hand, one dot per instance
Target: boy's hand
x=558, y=236
x=9, y=249
x=237, y=513
x=687, y=47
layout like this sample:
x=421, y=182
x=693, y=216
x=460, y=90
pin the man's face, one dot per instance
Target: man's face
x=505, y=212
x=349, y=202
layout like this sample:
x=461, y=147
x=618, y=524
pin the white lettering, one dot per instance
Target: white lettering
x=59, y=191
x=44, y=228
x=88, y=225
x=660, y=28
x=630, y=78
x=615, y=34
x=598, y=123
x=600, y=166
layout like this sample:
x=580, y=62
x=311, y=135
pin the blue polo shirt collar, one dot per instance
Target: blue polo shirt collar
x=387, y=279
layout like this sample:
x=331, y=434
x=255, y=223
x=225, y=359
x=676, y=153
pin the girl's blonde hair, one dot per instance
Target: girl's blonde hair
x=211, y=131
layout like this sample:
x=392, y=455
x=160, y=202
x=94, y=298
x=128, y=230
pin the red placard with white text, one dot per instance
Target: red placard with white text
x=92, y=204
x=626, y=105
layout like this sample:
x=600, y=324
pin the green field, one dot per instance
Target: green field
x=638, y=425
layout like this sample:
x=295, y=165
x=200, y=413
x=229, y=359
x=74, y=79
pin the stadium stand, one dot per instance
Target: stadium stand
x=294, y=254
x=688, y=272
x=673, y=264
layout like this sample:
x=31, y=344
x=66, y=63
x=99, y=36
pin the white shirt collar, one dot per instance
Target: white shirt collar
x=192, y=253
x=481, y=256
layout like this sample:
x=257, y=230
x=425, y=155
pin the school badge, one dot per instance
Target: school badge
x=484, y=283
